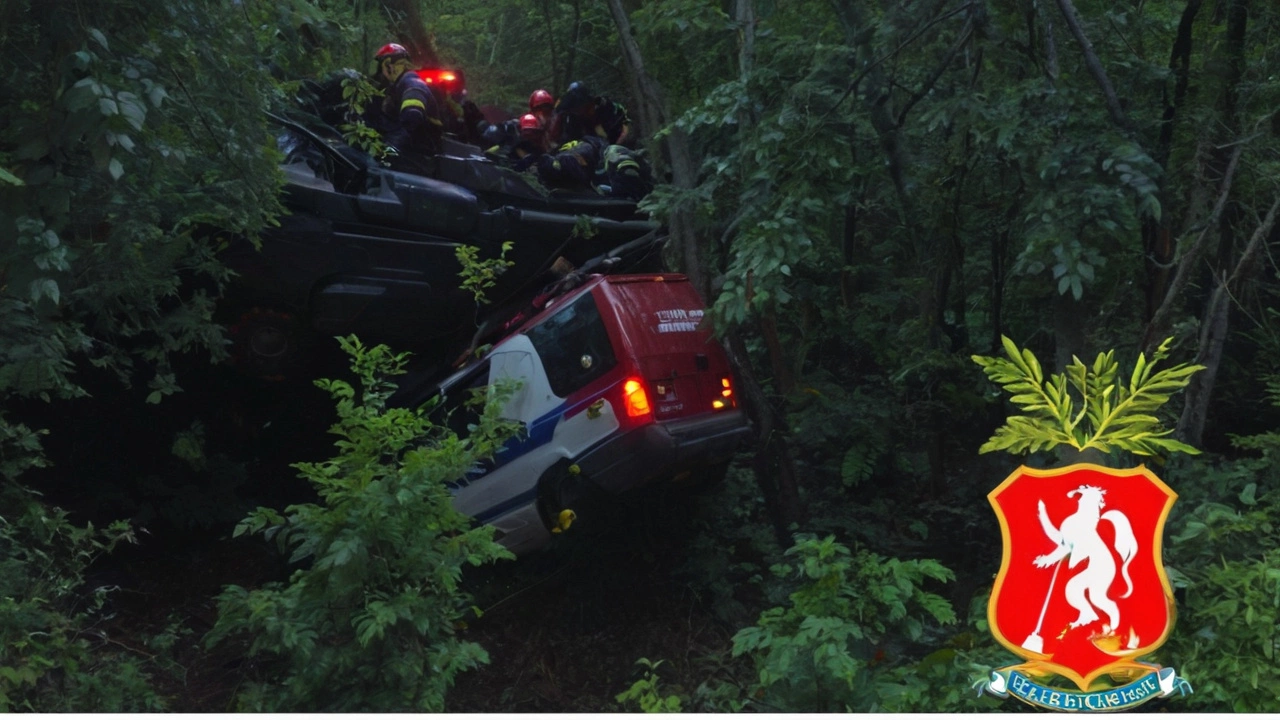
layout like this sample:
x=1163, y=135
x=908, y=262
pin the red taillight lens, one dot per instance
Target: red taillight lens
x=636, y=399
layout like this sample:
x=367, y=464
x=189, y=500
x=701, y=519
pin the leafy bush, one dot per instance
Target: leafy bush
x=370, y=623
x=1224, y=557
x=646, y=692
x=52, y=659
x=832, y=647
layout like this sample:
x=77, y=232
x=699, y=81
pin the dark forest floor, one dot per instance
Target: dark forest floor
x=563, y=628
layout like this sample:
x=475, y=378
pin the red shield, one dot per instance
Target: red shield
x=1082, y=587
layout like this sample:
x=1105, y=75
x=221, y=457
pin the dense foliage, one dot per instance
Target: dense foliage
x=871, y=193
x=54, y=661
x=368, y=623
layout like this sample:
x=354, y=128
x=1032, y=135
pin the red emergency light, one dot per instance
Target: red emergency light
x=441, y=78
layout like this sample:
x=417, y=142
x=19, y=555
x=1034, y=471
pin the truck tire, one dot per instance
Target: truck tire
x=266, y=343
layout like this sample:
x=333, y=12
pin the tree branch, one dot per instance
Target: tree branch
x=1249, y=259
x=965, y=33
x=1160, y=320
x=1092, y=62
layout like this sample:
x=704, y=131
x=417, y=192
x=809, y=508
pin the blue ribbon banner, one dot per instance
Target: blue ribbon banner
x=1161, y=682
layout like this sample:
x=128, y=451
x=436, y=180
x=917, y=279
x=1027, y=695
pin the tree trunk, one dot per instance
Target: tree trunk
x=1068, y=329
x=654, y=115
x=409, y=21
x=1094, y=65
x=551, y=44
x=572, y=51
x=1157, y=234
x=773, y=466
x=1213, y=333
x=1050, y=44
x=1188, y=263
x=876, y=98
x=1214, y=327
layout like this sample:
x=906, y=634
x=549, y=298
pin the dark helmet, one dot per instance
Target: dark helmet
x=391, y=51
x=492, y=135
x=530, y=122
x=539, y=98
x=577, y=96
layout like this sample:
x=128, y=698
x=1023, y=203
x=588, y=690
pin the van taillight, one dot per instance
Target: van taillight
x=635, y=398
x=726, y=395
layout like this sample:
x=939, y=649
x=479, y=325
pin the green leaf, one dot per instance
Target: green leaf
x=99, y=38
x=1127, y=423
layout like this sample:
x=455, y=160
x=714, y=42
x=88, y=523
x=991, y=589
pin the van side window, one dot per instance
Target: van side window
x=574, y=346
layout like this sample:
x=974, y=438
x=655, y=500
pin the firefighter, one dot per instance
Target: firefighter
x=626, y=173
x=462, y=116
x=542, y=104
x=410, y=107
x=579, y=113
x=573, y=165
x=532, y=143
x=498, y=138
x=517, y=142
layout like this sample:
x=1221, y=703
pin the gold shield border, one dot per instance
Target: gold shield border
x=1040, y=663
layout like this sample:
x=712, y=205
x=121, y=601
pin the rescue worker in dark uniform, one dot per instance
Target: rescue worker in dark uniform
x=627, y=174
x=498, y=139
x=573, y=166
x=542, y=105
x=411, y=110
x=532, y=143
x=461, y=115
x=579, y=113
x=517, y=143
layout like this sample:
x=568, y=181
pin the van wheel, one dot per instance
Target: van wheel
x=560, y=488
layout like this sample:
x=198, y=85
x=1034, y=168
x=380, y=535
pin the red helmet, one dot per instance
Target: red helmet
x=530, y=122
x=539, y=98
x=393, y=51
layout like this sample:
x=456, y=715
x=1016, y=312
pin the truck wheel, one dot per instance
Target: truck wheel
x=266, y=343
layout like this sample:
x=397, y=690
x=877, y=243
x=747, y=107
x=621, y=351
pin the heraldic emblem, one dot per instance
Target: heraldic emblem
x=1082, y=592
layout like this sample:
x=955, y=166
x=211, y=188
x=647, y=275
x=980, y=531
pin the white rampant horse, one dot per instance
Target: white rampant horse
x=1078, y=537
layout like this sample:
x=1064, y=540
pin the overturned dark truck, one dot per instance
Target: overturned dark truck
x=621, y=387
x=368, y=250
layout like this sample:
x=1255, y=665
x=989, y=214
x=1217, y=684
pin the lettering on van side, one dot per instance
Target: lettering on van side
x=678, y=320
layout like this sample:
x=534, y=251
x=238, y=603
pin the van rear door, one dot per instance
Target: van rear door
x=660, y=317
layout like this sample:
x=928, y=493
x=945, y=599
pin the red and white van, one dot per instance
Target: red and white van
x=620, y=385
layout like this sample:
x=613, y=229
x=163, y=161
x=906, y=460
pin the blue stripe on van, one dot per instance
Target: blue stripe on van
x=538, y=433
x=507, y=505
x=541, y=430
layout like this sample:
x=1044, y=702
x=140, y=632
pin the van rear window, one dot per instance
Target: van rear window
x=574, y=346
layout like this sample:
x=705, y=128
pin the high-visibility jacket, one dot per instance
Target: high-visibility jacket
x=575, y=163
x=627, y=174
x=415, y=113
